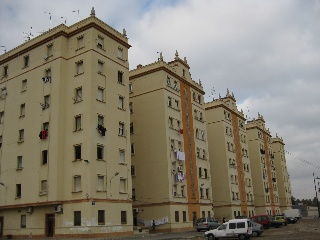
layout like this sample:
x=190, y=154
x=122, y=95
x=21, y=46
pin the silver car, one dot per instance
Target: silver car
x=206, y=224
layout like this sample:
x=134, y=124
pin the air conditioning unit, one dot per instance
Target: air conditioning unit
x=135, y=210
x=58, y=208
x=29, y=209
x=179, y=168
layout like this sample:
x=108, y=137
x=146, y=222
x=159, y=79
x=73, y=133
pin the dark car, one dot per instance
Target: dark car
x=206, y=224
x=291, y=220
x=257, y=229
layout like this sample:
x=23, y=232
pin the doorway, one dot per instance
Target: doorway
x=1, y=227
x=49, y=225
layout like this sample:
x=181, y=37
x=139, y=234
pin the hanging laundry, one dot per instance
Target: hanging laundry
x=181, y=156
x=43, y=134
x=102, y=130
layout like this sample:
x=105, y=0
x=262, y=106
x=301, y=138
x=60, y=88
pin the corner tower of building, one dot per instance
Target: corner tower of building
x=229, y=159
x=171, y=171
x=65, y=155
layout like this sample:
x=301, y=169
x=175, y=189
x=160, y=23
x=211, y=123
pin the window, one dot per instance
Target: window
x=100, y=96
x=46, y=102
x=120, y=102
x=121, y=129
x=1, y=117
x=207, y=193
x=100, y=183
x=175, y=85
x=77, y=218
x=0, y=141
x=24, y=85
x=133, y=194
x=205, y=173
x=77, y=123
x=79, y=67
x=21, y=135
x=131, y=107
x=80, y=42
x=133, y=171
x=123, y=185
x=177, y=104
x=77, y=152
x=201, y=192
x=49, y=50
x=184, y=216
x=200, y=172
x=19, y=162
x=5, y=70
x=4, y=93
x=130, y=87
x=77, y=183
x=45, y=126
x=23, y=221
x=131, y=128
x=169, y=101
x=100, y=67
x=22, y=110
x=132, y=149
x=99, y=152
x=120, y=77
x=26, y=61
x=120, y=53
x=48, y=73
x=101, y=217
x=176, y=216
x=201, y=117
x=100, y=42
x=78, y=94
x=101, y=120
x=202, y=135
x=44, y=157
x=44, y=185
x=123, y=217
x=122, y=156
x=18, y=190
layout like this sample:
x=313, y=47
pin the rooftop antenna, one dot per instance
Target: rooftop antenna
x=78, y=14
x=5, y=48
x=28, y=35
x=49, y=18
x=65, y=20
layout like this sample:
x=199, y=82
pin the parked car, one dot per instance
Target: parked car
x=291, y=220
x=281, y=219
x=264, y=220
x=275, y=223
x=257, y=229
x=295, y=213
x=206, y=224
x=234, y=228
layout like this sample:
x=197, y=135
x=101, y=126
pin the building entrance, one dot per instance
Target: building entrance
x=49, y=225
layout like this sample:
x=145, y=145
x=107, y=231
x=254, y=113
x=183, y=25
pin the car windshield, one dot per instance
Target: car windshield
x=201, y=220
x=222, y=227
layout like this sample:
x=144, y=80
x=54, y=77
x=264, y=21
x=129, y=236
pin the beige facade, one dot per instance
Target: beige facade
x=229, y=159
x=283, y=178
x=170, y=167
x=262, y=158
x=65, y=152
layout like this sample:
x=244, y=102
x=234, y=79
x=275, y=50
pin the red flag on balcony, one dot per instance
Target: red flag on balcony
x=181, y=131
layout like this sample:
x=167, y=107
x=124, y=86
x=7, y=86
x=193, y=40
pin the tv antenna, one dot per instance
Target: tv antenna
x=28, y=35
x=49, y=19
x=5, y=48
x=78, y=14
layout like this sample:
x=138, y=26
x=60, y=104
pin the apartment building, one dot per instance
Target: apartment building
x=232, y=191
x=282, y=175
x=170, y=169
x=264, y=176
x=64, y=140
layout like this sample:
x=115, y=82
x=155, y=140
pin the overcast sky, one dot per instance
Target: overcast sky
x=266, y=52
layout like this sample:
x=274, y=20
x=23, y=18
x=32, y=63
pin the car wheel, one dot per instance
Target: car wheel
x=198, y=230
x=255, y=234
x=242, y=237
x=211, y=237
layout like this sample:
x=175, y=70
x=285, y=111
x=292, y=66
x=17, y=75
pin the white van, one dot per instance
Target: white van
x=234, y=228
x=295, y=213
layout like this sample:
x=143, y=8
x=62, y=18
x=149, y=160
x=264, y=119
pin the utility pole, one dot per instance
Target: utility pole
x=315, y=188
